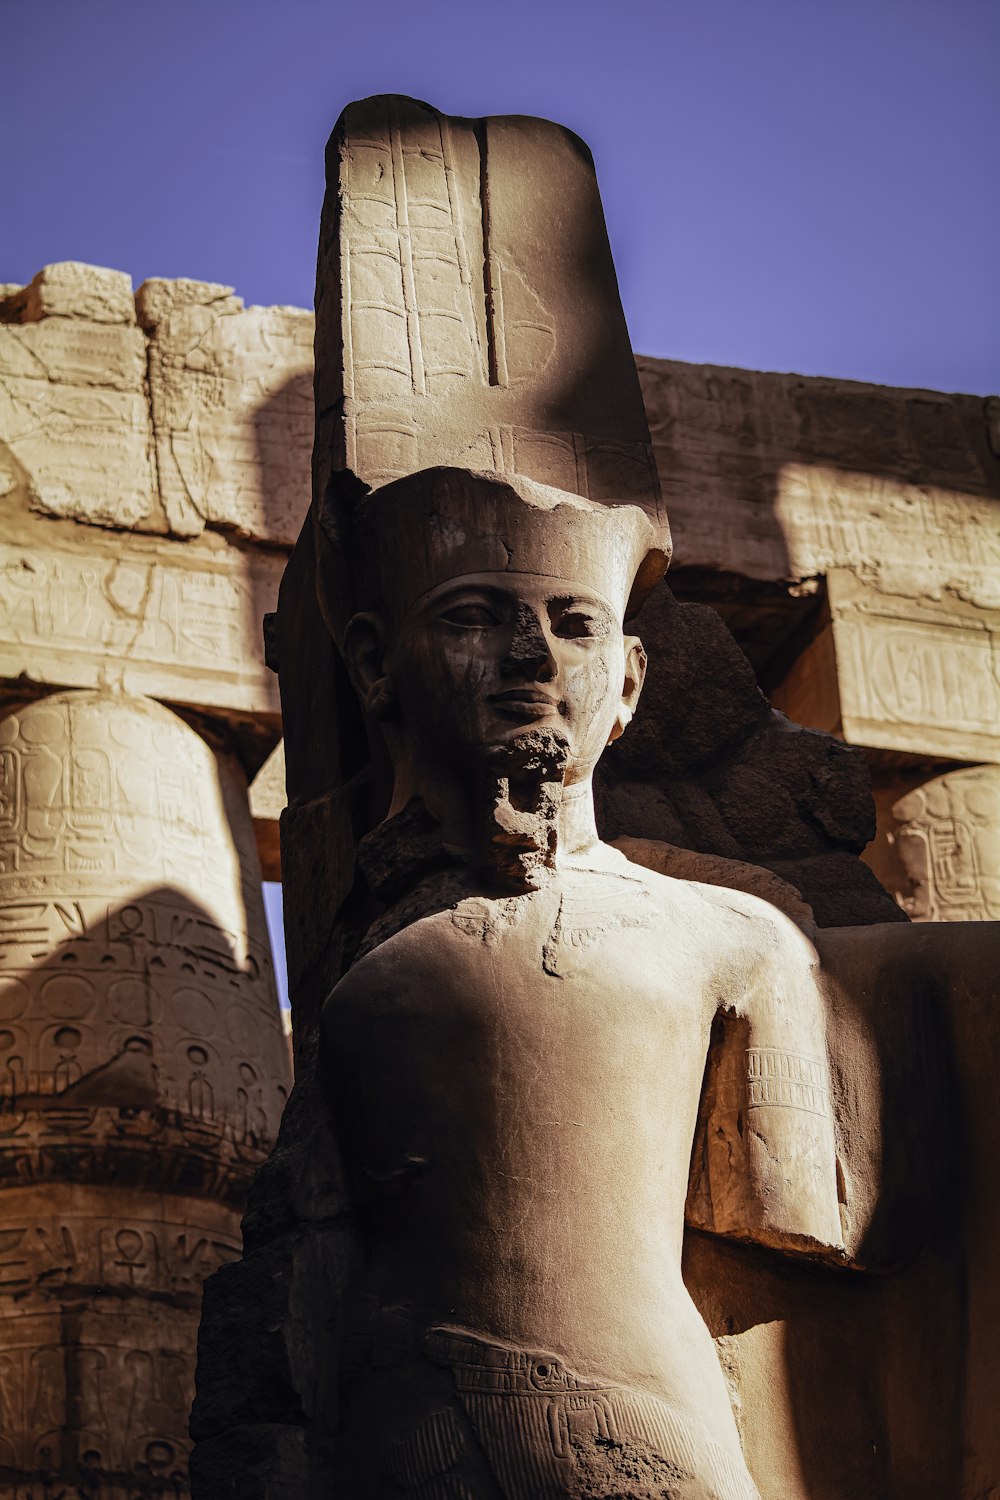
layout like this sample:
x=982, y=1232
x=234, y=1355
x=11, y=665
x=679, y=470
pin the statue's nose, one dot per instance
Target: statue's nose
x=529, y=651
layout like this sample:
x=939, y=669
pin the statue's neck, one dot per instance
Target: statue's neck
x=514, y=828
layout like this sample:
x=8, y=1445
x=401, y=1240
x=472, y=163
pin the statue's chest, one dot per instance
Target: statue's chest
x=582, y=924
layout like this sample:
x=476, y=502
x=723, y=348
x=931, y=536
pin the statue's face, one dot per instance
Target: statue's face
x=484, y=657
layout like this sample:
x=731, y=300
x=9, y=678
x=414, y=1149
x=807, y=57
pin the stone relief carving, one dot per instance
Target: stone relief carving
x=948, y=836
x=73, y=411
x=152, y=622
x=231, y=409
x=142, y=1075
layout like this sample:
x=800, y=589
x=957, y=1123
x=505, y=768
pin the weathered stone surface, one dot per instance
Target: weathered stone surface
x=143, y=1070
x=707, y=766
x=453, y=326
x=70, y=289
x=900, y=672
x=711, y=869
x=267, y=799
x=267, y=790
x=175, y=621
x=101, y=1291
x=231, y=409
x=158, y=297
x=74, y=420
x=783, y=477
x=127, y=864
x=947, y=833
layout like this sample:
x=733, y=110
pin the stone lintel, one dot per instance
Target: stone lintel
x=179, y=622
x=900, y=673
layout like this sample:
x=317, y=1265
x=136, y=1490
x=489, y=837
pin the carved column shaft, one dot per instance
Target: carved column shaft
x=142, y=1075
x=948, y=838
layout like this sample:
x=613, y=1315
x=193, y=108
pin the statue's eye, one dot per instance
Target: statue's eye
x=471, y=617
x=577, y=625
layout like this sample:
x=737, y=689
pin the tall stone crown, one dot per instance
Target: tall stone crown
x=468, y=317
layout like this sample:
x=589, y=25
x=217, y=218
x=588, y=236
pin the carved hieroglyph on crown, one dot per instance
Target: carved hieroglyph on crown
x=467, y=307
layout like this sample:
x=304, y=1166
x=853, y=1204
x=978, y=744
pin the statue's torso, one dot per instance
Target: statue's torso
x=519, y=1083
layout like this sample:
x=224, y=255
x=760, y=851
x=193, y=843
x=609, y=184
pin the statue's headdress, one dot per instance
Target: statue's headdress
x=477, y=403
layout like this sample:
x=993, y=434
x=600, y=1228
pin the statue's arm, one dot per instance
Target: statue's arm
x=765, y=1158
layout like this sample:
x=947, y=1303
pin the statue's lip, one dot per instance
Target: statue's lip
x=525, y=703
x=525, y=695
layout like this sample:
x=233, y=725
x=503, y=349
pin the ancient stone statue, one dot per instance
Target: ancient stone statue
x=516, y=1057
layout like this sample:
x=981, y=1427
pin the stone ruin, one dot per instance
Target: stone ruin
x=846, y=535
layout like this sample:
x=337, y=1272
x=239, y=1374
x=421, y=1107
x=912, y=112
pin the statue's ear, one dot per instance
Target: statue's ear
x=364, y=647
x=635, y=676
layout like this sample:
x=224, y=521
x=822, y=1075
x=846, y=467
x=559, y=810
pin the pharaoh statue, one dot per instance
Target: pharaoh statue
x=516, y=1055
x=547, y=1065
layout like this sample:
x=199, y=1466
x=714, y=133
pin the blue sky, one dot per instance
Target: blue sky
x=789, y=184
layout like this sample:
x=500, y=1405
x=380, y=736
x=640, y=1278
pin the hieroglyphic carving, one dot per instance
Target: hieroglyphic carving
x=783, y=477
x=142, y=1061
x=231, y=406
x=124, y=911
x=451, y=313
x=948, y=836
x=785, y=1080
x=165, y=620
x=901, y=673
x=110, y=1403
x=113, y=1238
x=73, y=413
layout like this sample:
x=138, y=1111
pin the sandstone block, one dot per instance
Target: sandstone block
x=267, y=798
x=157, y=297
x=783, y=477
x=175, y=621
x=231, y=403
x=900, y=673
x=74, y=424
x=70, y=289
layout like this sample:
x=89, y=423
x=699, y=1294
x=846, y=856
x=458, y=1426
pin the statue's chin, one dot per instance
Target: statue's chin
x=535, y=754
x=521, y=793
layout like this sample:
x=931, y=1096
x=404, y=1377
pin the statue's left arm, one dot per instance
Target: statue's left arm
x=765, y=1159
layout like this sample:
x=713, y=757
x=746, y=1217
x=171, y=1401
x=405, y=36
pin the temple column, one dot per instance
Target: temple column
x=947, y=836
x=143, y=1070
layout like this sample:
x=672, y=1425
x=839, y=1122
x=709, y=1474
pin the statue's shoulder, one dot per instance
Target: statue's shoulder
x=754, y=925
x=678, y=894
x=695, y=867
